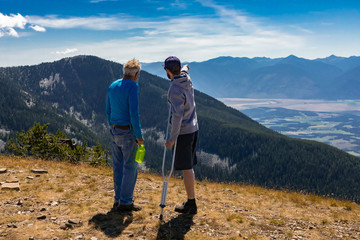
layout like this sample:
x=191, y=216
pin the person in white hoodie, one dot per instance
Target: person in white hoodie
x=183, y=127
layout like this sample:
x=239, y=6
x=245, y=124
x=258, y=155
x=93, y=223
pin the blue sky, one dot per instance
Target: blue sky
x=35, y=31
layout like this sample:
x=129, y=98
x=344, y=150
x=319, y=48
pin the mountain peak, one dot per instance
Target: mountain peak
x=292, y=57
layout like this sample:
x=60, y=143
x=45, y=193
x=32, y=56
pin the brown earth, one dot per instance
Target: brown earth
x=74, y=202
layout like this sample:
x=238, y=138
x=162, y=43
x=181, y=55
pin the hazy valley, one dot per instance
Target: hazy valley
x=332, y=122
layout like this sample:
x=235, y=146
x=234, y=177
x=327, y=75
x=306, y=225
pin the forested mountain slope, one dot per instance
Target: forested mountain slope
x=231, y=146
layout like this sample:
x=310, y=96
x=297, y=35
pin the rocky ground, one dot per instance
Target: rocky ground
x=52, y=200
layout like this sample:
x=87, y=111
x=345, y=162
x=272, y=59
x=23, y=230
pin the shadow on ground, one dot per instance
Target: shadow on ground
x=113, y=223
x=176, y=228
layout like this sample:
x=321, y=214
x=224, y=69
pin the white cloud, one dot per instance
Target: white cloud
x=115, y=23
x=192, y=38
x=12, y=21
x=8, y=24
x=67, y=51
x=11, y=32
x=38, y=28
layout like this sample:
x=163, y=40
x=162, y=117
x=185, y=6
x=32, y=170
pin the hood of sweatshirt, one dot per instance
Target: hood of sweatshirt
x=182, y=81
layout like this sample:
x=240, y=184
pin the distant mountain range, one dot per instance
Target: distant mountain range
x=70, y=94
x=291, y=77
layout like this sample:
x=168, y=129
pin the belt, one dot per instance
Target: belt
x=126, y=127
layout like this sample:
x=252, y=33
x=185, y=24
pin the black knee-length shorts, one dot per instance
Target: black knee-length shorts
x=185, y=156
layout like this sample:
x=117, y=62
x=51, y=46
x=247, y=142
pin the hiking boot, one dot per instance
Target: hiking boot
x=128, y=207
x=115, y=207
x=187, y=207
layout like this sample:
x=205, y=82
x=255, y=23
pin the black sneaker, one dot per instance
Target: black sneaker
x=187, y=207
x=128, y=207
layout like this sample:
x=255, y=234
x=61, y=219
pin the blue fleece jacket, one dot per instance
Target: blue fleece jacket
x=122, y=105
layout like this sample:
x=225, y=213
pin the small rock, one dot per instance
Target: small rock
x=63, y=227
x=30, y=177
x=12, y=179
x=10, y=186
x=53, y=218
x=39, y=171
x=54, y=203
x=42, y=209
x=69, y=226
x=31, y=238
x=131, y=235
x=37, y=175
x=12, y=225
x=74, y=221
x=41, y=217
x=79, y=237
x=93, y=238
x=3, y=170
x=19, y=203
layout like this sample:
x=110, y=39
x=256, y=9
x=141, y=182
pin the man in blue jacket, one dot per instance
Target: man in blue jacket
x=183, y=127
x=122, y=112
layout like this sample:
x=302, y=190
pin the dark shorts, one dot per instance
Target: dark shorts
x=185, y=157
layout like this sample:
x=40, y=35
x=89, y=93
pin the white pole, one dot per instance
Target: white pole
x=166, y=182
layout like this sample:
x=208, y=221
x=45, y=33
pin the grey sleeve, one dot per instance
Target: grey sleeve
x=177, y=102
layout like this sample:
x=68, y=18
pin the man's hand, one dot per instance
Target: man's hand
x=186, y=65
x=139, y=141
x=170, y=143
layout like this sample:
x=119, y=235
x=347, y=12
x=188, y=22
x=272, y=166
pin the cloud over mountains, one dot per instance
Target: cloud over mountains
x=9, y=24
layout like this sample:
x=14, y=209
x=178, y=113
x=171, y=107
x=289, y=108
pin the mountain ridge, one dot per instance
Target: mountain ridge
x=242, y=76
x=232, y=147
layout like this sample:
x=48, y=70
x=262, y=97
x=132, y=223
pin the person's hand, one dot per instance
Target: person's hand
x=139, y=141
x=169, y=143
x=187, y=65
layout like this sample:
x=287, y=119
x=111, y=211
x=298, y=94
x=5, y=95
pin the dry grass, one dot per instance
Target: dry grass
x=225, y=211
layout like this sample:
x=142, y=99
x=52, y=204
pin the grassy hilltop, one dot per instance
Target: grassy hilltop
x=73, y=201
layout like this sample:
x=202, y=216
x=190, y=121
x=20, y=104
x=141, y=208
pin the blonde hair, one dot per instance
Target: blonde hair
x=132, y=67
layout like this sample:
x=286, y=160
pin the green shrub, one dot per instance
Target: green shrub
x=39, y=143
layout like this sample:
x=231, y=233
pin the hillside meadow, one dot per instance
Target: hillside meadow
x=74, y=201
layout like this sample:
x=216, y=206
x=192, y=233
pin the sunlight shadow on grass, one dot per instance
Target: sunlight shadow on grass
x=113, y=223
x=176, y=228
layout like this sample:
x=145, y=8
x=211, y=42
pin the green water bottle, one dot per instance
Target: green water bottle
x=140, y=154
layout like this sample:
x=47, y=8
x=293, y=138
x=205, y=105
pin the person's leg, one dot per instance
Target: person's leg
x=189, y=182
x=184, y=161
x=129, y=171
x=117, y=163
x=190, y=205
